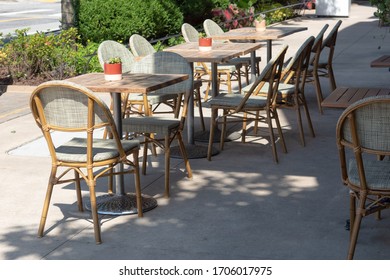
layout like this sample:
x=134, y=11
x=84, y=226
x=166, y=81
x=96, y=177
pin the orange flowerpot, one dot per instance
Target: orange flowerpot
x=113, y=72
x=205, y=44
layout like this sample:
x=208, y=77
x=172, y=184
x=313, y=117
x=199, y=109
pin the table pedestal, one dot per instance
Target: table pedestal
x=124, y=204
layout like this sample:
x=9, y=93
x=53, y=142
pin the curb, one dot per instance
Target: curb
x=16, y=89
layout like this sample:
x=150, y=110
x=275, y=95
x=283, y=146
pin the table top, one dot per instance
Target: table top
x=383, y=61
x=342, y=97
x=130, y=83
x=250, y=33
x=220, y=52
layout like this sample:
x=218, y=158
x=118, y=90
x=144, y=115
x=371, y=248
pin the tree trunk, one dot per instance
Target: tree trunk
x=68, y=14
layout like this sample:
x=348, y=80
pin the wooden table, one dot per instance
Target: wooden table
x=381, y=62
x=342, y=97
x=220, y=53
x=269, y=34
x=122, y=203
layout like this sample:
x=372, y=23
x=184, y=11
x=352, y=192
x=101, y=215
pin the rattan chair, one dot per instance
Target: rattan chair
x=322, y=62
x=291, y=89
x=212, y=28
x=68, y=107
x=108, y=49
x=247, y=107
x=292, y=86
x=141, y=48
x=363, y=133
x=312, y=74
x=165, y=130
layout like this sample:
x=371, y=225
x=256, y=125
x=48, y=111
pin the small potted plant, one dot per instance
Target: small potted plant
x=113, y=69
x=260, y=23
x=205, y=43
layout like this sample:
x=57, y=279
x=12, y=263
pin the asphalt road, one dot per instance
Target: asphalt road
x=37, y=15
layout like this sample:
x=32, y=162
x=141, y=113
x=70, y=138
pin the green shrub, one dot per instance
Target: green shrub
x=41, y=57
x=383, y=11
x=117, y=20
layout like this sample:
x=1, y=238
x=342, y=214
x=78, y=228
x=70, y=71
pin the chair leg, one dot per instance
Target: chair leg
x=272, y=137
x=137, y=184
x=318, y=91
x=331, y=78
x=355, y=227
x=78, y=191
x=223, y=131
x=212, y=131
x=145, y=155
x=244, y=126
x=306, y=108
x=167, y=149
x=46, y=204
x=184, y=154
x=299, y=119
x=199, y=100
x=95, y=217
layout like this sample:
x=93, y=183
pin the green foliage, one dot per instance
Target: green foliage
x=116, y=20
x=278, y=15
x=42, y=57
x=383, y=10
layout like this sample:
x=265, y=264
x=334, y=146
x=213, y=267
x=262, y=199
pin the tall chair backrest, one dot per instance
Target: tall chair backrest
x=167, y=63
x=140, y=46
x=68, y=107
x=317, y=45
x=271, y=75
x=299, y=64
x=108, y=49
x=190, y=34
x=330, y=41
x=212, y=28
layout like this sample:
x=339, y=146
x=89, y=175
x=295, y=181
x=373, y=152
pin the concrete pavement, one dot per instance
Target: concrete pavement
x=239, y=206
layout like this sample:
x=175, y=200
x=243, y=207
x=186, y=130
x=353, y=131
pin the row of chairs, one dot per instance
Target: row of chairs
x=281, y=84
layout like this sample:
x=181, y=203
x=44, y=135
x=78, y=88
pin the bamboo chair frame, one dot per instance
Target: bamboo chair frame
x=68, y=107
x=363, y=133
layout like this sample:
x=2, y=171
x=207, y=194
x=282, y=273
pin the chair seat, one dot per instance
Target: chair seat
x=233, y=100
x=153, y=98
x=246, y=60
x=283, y=89
x=222, y=67
x=154, y=124
x=377, y=174
x=103, y=149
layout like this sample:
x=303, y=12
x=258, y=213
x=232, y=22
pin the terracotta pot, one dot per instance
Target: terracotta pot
x=112, y=72
x=205, y=44
x=260, y=25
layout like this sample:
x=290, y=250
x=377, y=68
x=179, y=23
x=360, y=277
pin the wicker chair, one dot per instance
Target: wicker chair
x=212, y=28
x=312, y=75
x=363, y=133
x=68, y=107
x=165, y=130
x=292, y=86
x=246, y=107
x=141, y=48
x=134, y=104
x=323, y=67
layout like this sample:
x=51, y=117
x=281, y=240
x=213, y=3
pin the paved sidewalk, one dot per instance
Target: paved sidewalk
x=241, y=205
